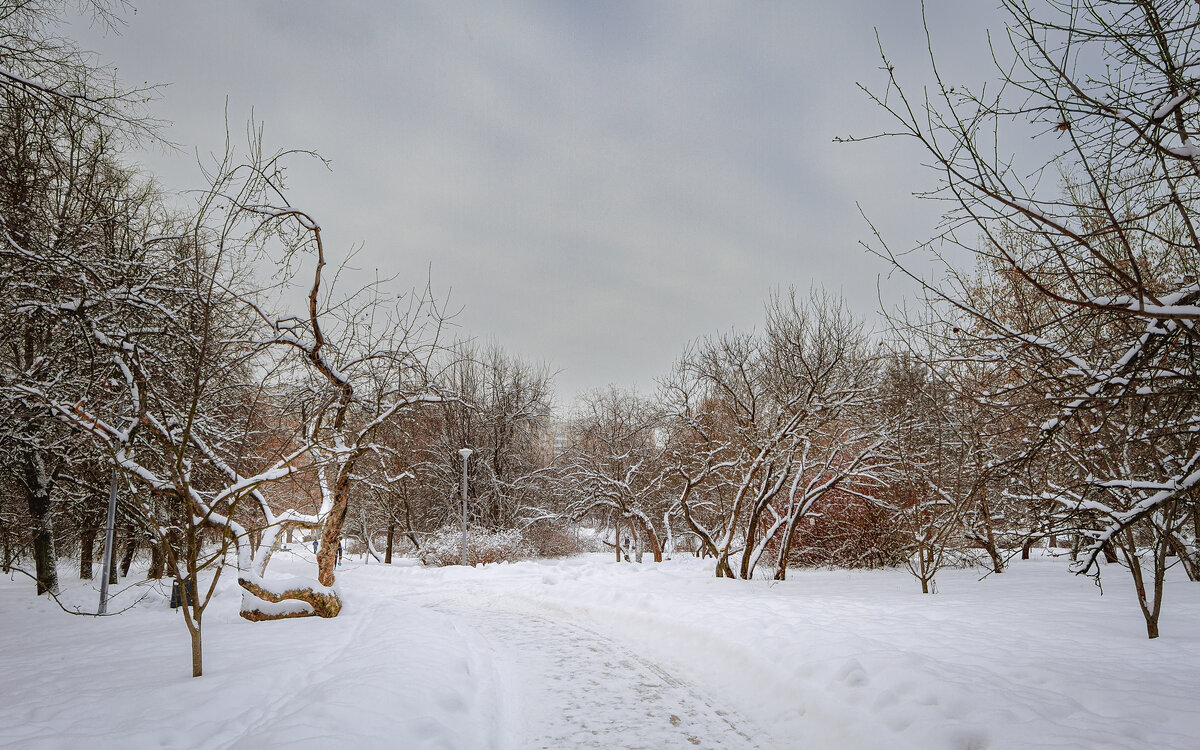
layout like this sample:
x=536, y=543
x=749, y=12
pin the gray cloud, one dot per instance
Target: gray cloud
x=598, y=182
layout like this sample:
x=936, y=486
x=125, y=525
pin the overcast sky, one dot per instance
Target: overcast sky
x=594, y=183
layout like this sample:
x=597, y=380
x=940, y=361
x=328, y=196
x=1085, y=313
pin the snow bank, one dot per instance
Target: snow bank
x=384, y=673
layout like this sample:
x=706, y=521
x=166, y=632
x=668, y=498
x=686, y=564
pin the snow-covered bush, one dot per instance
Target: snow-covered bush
x=550, y=539
x=848, y=533
x=443, y=547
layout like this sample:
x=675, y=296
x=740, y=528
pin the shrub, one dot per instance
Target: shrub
x=483, y=546
x=543, y=539
x=555, y=539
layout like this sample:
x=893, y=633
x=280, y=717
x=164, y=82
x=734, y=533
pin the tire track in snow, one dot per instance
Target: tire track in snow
x=583, y=690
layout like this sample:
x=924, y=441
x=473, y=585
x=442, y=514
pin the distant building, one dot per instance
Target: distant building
x=562, y=441
x=555, y=439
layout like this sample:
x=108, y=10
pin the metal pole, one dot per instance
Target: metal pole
x=462, y=556
x=108, y=541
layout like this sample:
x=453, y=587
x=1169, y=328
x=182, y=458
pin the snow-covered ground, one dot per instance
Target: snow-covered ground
x=585, y=652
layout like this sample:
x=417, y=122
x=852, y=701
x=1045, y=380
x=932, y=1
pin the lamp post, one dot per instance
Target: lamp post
x=462, y=557
x=110, y=522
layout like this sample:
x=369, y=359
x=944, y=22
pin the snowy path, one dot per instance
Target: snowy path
x=578, y=689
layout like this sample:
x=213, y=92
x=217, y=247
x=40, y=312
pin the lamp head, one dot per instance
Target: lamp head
x=465, y=453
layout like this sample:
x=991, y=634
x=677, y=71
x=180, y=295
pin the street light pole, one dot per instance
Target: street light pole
x=110, y=522
x=462, y=557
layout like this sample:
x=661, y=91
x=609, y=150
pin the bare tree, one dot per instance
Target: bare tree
x=1094, y=226
x=66, y=205
x=776, y=422
x=503, y=415
x=618, y=466
x=361, y=360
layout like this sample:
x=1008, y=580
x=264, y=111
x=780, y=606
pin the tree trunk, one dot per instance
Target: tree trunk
x=647, y=536
x=637, y=542
x=38, y=496
x=1195, y=513
x=1160, y=577
x=785, y=547
x=172, y=544
x=668, y=544
x=1150, y=607
x=724, y=570
x=87, y=551
x=391, y=537
x=193, y=611
x=655, y=547
x=197, y=655
x=324, y=604
x=157, y=560
x=997, y=558
x=1189, y=559
x=988, y=542
x=707, y=544
x=132, y=542
x=926, y=568
x=751, y=538
x=1025, y=549
x=408, y=525
x=1110, y=555
x=331, y=532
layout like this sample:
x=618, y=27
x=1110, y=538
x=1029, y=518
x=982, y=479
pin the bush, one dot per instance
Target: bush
x=443, y=546
x=553, y=539
x=546, y=539
x=848, y=533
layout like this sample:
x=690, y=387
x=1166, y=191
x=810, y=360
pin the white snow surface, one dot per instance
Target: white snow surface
x=588, y=653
